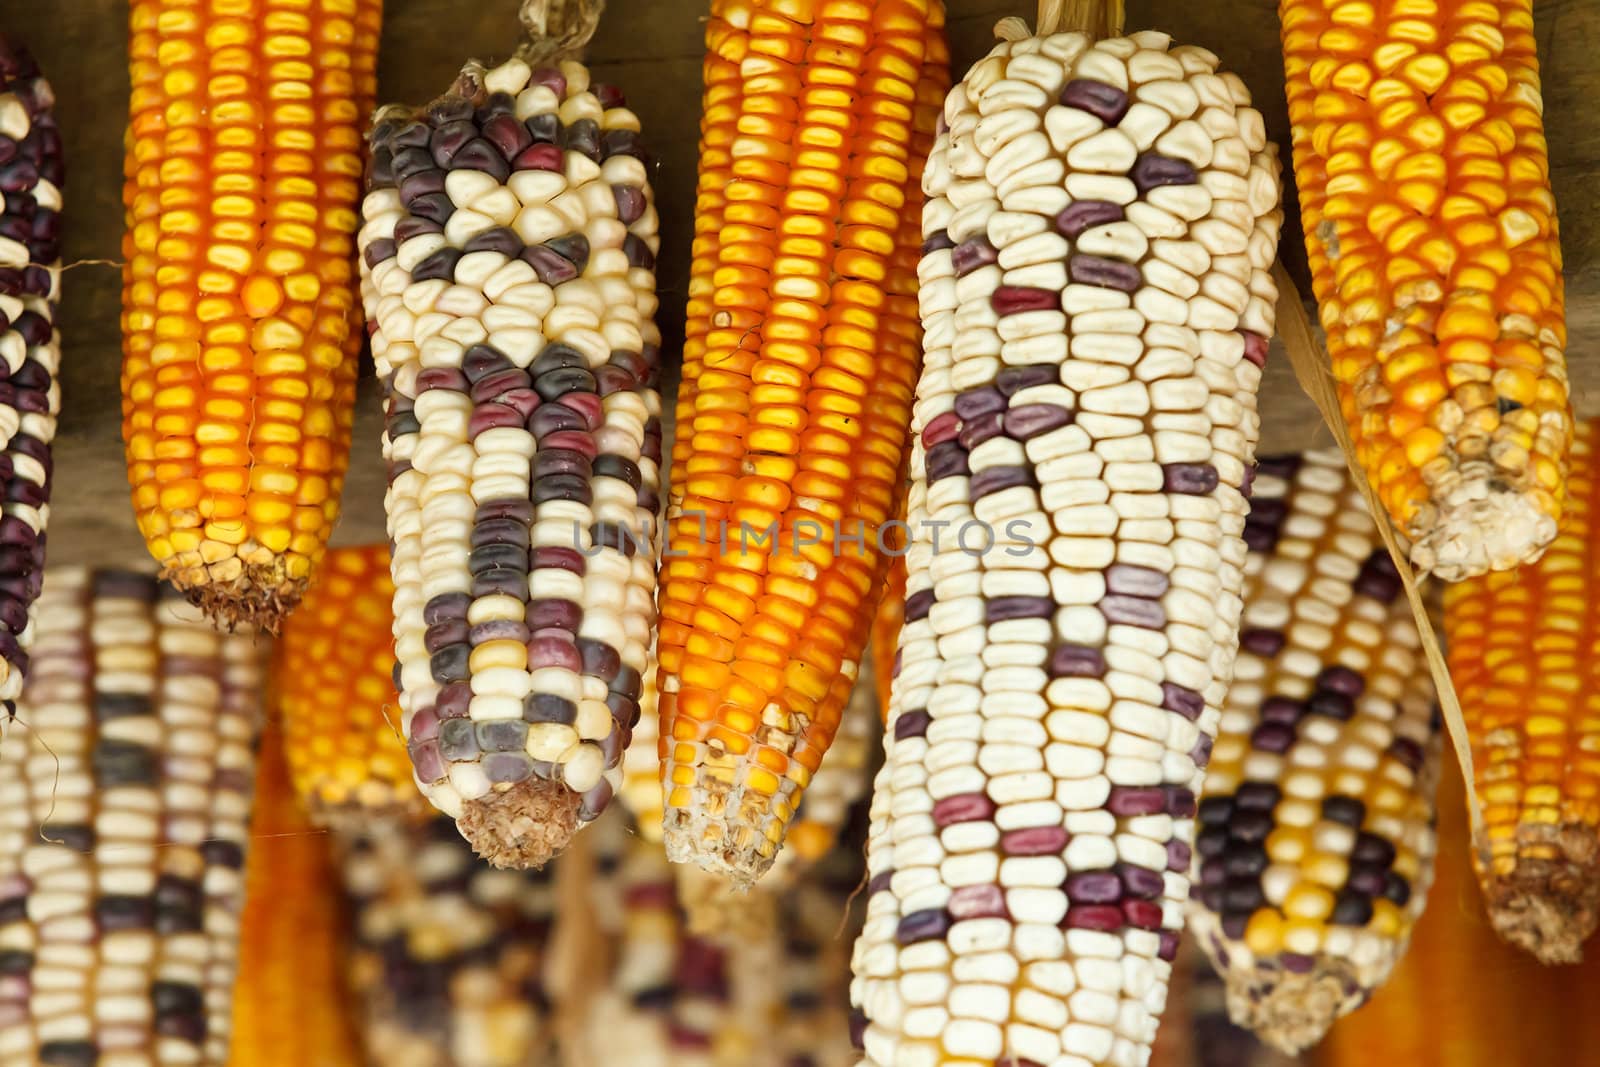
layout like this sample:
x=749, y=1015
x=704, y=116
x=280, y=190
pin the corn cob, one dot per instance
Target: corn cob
x=801, y=353
x=125, y=786
x=885, y=642
x=290, y=1006
x=1067, y=645
x=448, y=956
x=819, y=924
x=1524, y=651
x=640, y=791
x=1314, y=848
x=1420, y=160
x=333, y=691
x=509, y=253
x=239, y=318
x=30, y=349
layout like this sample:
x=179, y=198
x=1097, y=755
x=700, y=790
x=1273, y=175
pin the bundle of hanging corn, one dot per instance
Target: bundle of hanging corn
x=508, y=273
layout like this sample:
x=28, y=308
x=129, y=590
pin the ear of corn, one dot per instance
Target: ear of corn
x=839, y=783
x=509, y=251
x=1420, y=160
x=333, y=692
x=125, y=786
x=290, y=1005
x=800, y=358
x=31, y=179
x=885, y=642
x=239, y=311
x=447, y=963
x=1314, y=848
x=1062, y=668
x=1524, y=653
x=640, y=791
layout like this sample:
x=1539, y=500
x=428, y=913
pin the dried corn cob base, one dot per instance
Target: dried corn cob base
x=240, y=329
x=509, y=248
x=1522, y=651
x=30, y=348
x=800, y=358
x=1315, y=844
x=1437, y=266
x=1030, y=831
x=448, y=957
x=333, y=693
x=125, y=787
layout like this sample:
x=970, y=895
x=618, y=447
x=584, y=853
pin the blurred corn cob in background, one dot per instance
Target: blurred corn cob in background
x=239, y=317
x=1062, y=669
x=1314, y=848
x=792, y=417
x=291, y=1004
x=125, y=786
x=332, y=692
x=509, y=249
x=1524, y=652
x=448, y=956
x=31, y=179
x=1420, y=161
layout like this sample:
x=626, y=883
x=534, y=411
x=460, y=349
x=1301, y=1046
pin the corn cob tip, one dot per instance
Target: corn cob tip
x=1298, y=1009
x=724, y=912
x=525, y=826
x=713, y=844
x=259, y=597
x=1490, y=526
x=1549, y=907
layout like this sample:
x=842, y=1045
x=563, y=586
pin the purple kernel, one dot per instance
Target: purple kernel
x=1104, y=273
x=561, y=614
x=1094, y=887
x=1248, y=484
x=539, y=157
x=964, y=807
x=972, y=255
x=1182, y=700
x=551, y=78
x=976, y=431
x=1368, y=879
x=1262, y=642
x=1282, y=710
x=1255, y=348
x=630, y=202
x=380, y=251
x=937, y=242
x=1083, y=215
x=1272, y=737
x=551, y=267
x=1013, y=299
x=445, y=606
x=947, y=459
x=1190, y=479
x=880, y=883
x=1169, y=945
x=941, y=428
x=507, y=767
x=1152, y=169
x=1142, y=914
x=1105, y=102
x=1341, y=680
x=976, y=402
x=559, y=557
x=553, y=652
x=492, y=415
x=1107, y=918
x=442, y=378
x=1131, y=580
x=1136, y=800
x=1013, y=380
x=1295, y=963
x=429, y=763
x=453, y=701
x=1133, y=611
x=478, y=154
x=1077, y=661
x=931, y=924
x=997, y=479
x=546, y=707
x=507, y=134
x=1407, y=752
x=978, y=902
x=912, y=724
x=1331, y=705
x=1002, y=609
x=1030, y=420
x=1034, y=841
x=1180, y=801
x=918, y=605
x=1179, y=856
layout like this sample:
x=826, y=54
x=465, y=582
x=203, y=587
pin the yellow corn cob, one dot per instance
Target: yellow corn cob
x=448, y=959
x=239, y=310
x=1068, y=642
x=1420, y=159
x=802, y=352
x=1314, y=848
x=125, y=785
x=290, y=1004
x=509, y=270
x=333, y=692
x=1524, y=652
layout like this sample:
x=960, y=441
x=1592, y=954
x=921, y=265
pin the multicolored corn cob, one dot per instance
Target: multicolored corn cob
x=125, y=787
x=1524, y=653
x=509, y=252
x=448, y=955
x=640, y=791
x=820, y=921
x=334, y=696
x=239, y=317
x=1314, y=849
x=1101, y=221
x=290, y=1005
x=31, y=180
x=798, y=369
x=1420, y=160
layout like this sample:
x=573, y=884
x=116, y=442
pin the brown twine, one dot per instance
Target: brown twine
x=1098, y=18
x=557, y=29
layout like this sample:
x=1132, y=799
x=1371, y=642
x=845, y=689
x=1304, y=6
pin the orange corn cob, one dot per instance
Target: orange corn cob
x=885, y=643
x=239, y=301
x=289, y=1004
x=802, y=354
x=1424, y=185
x=333, y=687
x=1524, y=650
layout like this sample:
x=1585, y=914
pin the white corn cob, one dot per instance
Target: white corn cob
x=508, y=269
x=30, y=347
x=125, y=788
x=1101, y=221
x=1315, y=843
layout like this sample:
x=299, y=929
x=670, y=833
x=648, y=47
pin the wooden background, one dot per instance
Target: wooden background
x=652, y=50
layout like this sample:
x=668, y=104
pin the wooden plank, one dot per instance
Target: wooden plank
x=652, y=49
